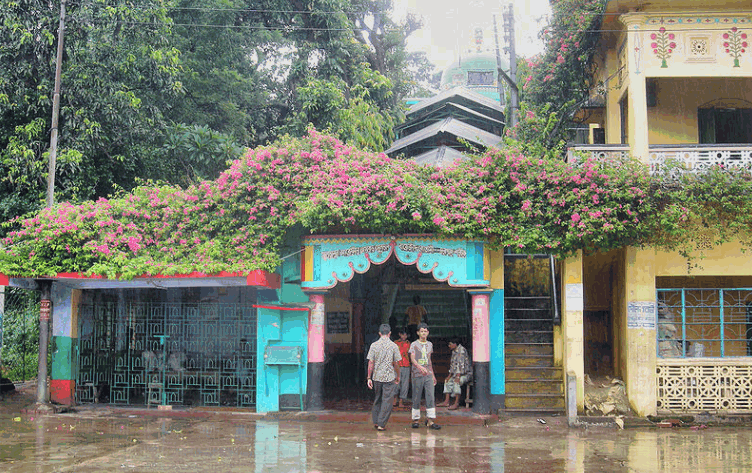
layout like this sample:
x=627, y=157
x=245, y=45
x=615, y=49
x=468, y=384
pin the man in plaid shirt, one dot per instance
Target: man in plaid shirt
x=460, y=372
x=383, y=375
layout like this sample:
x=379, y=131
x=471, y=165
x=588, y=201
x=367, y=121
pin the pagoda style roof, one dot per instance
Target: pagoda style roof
x=440, y=157
x=449, y=131
x=449, y=109
x=460, y=96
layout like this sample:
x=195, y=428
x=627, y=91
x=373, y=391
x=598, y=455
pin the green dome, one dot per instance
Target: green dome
x=477, y=72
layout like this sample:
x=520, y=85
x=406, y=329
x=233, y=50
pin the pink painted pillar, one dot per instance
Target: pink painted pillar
x=316, y=321
x=481, y=351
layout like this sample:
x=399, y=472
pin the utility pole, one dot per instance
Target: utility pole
x=512, y=77
x=55, y=109
x=45, y=311
x=499, y=83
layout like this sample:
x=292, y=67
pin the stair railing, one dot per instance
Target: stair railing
x=555, y=300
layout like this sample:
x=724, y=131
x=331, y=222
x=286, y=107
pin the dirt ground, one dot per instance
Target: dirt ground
x=24, y=397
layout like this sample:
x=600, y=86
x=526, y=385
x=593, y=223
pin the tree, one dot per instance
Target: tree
x=229, y=51
x=560, y=79
x=172, y=91
x=385, y=40
x=119, y=70
x=352, y=113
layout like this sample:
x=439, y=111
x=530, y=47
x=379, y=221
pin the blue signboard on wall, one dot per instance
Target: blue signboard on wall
x=329, y=260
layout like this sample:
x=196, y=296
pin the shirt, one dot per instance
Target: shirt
x=404, y=347
x=384, y=353
x=460, y=362
x=422, y=353
x=415, y=314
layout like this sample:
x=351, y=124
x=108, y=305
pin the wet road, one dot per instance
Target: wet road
x=74, y=443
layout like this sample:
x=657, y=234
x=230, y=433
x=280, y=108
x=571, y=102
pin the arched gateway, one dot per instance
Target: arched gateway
x=423, y=263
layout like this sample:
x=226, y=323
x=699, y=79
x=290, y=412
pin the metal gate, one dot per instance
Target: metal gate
x=19, y=333
x=195, y=354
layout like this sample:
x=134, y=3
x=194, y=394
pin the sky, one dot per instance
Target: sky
x=448, y=25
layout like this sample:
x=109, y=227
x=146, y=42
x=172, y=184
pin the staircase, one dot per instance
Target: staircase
x=533, y=382
x=447, y=311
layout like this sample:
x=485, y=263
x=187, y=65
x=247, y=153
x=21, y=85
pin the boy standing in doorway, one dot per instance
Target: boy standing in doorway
x=423, y=378
x=404, y=385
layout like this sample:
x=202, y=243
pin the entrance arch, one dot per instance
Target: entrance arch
x=330, y=260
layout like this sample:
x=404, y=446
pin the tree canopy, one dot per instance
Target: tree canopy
x=172, y=91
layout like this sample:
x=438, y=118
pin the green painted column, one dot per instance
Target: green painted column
x=64, y=342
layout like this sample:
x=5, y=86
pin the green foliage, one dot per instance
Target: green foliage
x=526, y=136
x=191, y=154
x=118, y=73
x=716, y=203
x=227, y=67
x=154, y=90
x=352, y=114
x=20, y=334
x=238, y=222
x=561, y=78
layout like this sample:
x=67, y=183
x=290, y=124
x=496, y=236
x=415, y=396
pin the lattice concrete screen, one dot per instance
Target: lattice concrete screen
x=697, y=385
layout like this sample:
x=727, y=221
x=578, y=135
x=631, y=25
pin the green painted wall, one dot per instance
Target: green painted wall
x=64, y=360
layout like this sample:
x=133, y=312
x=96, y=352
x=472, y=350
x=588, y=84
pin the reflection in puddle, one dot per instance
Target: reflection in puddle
x=150, y=445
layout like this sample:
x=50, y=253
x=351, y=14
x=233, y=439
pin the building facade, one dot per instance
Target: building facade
x=676, y=81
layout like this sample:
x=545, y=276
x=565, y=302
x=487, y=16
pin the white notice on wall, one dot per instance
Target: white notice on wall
x=318, y=316
x=575, y=299
x=641, y=314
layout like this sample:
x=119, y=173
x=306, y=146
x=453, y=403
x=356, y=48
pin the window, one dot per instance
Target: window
x=704, y=322
x=717, y=125
x=480, y=78
x=624, y=115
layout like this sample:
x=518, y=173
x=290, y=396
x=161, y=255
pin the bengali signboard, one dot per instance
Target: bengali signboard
x=641, y=314
x=329, y=260
x=337, y=322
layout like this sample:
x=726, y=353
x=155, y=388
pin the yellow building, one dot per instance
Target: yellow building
x=676, y=82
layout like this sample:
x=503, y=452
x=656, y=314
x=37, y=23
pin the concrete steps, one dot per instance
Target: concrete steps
x=533, y=383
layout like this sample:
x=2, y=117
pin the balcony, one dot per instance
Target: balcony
x=695, y=158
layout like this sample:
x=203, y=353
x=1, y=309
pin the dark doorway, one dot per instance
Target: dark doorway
x=382, y=296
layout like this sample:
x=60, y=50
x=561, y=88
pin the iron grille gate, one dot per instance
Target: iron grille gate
x=200, y=354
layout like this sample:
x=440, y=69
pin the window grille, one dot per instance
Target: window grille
x=704, y=322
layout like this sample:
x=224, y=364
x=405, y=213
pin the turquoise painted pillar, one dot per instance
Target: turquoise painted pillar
x=496, y=339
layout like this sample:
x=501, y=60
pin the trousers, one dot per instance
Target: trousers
x=382, y=402
x=420, y=384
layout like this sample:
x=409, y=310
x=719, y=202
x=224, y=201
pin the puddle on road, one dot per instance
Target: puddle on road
x=73, y=444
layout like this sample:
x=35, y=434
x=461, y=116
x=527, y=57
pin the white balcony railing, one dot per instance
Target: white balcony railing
x=694, y=158
x=698, y=158
x=599, y=152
